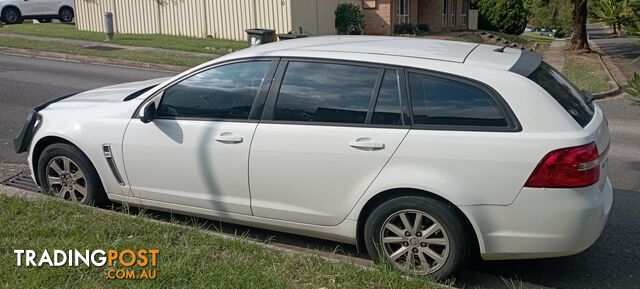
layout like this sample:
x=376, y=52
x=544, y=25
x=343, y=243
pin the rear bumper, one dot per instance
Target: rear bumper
x=542, y=223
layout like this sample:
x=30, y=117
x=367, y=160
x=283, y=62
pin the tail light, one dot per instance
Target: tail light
x=572, y=167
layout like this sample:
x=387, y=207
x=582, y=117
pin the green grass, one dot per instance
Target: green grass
x=188, y=257
x=159, y=58
x=181, y=43
x=586, y=72
x=526, y=39
x=532, y=37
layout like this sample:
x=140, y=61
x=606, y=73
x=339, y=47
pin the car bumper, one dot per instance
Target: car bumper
x=542, y=223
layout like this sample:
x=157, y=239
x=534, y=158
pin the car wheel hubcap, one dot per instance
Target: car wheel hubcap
x=66, y=15
x=66, y=180
x=11, y=16
x=414, y=242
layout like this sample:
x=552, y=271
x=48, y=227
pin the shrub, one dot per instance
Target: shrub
x=406, y=28
x=349, y=19
x=559, y=33
x=507, y=16
x=633, y=89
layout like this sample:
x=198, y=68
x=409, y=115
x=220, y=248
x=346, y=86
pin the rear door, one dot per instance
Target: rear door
x=328, y=129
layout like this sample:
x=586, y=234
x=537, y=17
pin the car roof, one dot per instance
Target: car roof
x=516, y=60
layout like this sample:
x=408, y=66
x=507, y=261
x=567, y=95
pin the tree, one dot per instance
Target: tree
x=579, y=40
x=615, y=13
x=554, y=14
x=508, y=16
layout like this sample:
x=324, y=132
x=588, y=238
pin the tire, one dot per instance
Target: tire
x=65, y=15
x=11, y=15
x=65, y=172
x=443, y=247
x=44, y=20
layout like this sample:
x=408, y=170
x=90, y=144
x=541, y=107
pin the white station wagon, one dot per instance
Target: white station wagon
x=421, y=151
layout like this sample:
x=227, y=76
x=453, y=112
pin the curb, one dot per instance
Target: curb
x=92, y=60
x=612, y=92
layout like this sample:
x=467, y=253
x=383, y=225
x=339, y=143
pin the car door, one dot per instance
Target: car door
x=33, y=7
x=327, y=130
x=196, y=152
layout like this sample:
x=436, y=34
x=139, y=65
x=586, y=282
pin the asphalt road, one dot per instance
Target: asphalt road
x=611, y=263
x=622, y=51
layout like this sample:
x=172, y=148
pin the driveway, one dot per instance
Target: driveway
x=611, y=263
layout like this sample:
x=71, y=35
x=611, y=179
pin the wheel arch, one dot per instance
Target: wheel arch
x=10, y=6
x=381, y=197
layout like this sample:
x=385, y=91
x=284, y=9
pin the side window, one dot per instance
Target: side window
x=440, y=101
x=224, y=92
x=324, y=92
x=388, y=110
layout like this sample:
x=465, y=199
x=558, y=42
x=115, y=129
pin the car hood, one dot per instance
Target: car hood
x=113, y=93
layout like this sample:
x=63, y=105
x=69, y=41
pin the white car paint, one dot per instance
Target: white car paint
x=35, y=8
x=310, y=180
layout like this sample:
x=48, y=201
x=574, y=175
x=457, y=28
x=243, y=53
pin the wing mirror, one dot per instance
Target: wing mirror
x=149, y=113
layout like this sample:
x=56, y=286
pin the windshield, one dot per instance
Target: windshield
x=564, y=92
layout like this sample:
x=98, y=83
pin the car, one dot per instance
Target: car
x=424, y=152
x=15, y=11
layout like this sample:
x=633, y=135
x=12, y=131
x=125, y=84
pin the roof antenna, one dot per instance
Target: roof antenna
x=501, y=49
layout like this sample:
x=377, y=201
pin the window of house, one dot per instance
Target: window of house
x=403, y=11
x=453, y=6
x=445, y=7
x=445, y=102
x=465, y=13
x=224, y=92
x=325, y=93
x=388, y=110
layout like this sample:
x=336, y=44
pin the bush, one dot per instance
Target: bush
x=349, y=19
x=507, y=16
x=559, y=33
x=406, y=28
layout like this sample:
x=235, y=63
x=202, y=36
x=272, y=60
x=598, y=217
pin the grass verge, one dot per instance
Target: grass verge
x=159, y=58
x=181, y=43
x=586, y=72
x=188, y=257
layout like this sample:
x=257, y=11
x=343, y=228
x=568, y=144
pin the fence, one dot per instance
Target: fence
x=216, y=18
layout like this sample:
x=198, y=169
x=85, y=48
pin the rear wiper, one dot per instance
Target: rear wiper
x=588, y=96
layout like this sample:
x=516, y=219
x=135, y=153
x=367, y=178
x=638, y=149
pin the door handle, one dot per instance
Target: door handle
x=227, y=137
x=367, y=144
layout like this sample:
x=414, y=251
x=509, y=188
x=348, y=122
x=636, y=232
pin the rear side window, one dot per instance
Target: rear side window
x=388, y=110
x=325, y=93
x=444, y=102
x=564, y=92
x=224, y=92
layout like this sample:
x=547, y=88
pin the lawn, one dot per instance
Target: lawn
x=188, y=257
x=159, y=58
x=182, y=43
x=586, y=72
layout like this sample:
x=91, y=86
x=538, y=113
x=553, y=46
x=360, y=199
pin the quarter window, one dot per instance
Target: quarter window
x=440, y=101
x=325, y=93
x=225, y=92
x=388, y=110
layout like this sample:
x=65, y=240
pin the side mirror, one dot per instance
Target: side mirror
x=149, y=113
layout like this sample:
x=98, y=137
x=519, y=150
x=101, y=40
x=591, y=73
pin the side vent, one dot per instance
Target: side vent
x=106, y=149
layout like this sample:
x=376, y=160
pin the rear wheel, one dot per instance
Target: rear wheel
x=418, y=236
x=65, y=172
x=66, y=14
x=11, y=15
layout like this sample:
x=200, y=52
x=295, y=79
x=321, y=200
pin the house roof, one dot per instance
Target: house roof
x=420, y=48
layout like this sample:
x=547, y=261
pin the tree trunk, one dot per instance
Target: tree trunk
x=620, y=31
x=615, y=28
x=579, y=36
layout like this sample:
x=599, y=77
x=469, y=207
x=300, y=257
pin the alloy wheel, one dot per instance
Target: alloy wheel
x=66, y=15
x=414, y=242
x=66, y=180
x=11, y=16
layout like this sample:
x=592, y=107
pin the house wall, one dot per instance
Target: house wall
x=379, y=20
x=226, y=19
x=316, y=17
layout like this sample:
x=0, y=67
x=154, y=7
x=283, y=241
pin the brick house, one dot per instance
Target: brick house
x=381, y=16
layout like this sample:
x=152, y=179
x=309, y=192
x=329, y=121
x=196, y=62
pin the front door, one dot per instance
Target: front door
x=196, y=152
x=321, y=143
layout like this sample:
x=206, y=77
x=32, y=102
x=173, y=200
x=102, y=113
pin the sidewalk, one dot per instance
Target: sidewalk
x=554, y=55
x=102, y=45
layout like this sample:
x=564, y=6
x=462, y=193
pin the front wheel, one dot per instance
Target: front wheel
x=66, y=15
x=11, y=15
x=65, y=172
x=418, y=236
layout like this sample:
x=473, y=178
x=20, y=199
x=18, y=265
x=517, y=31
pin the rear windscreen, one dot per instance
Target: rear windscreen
x=567, y=95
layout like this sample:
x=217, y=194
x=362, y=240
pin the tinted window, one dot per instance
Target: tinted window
x=388, y=110
x=440, y=101
x=322, y=92
x=564, y=92
x=225, y=92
